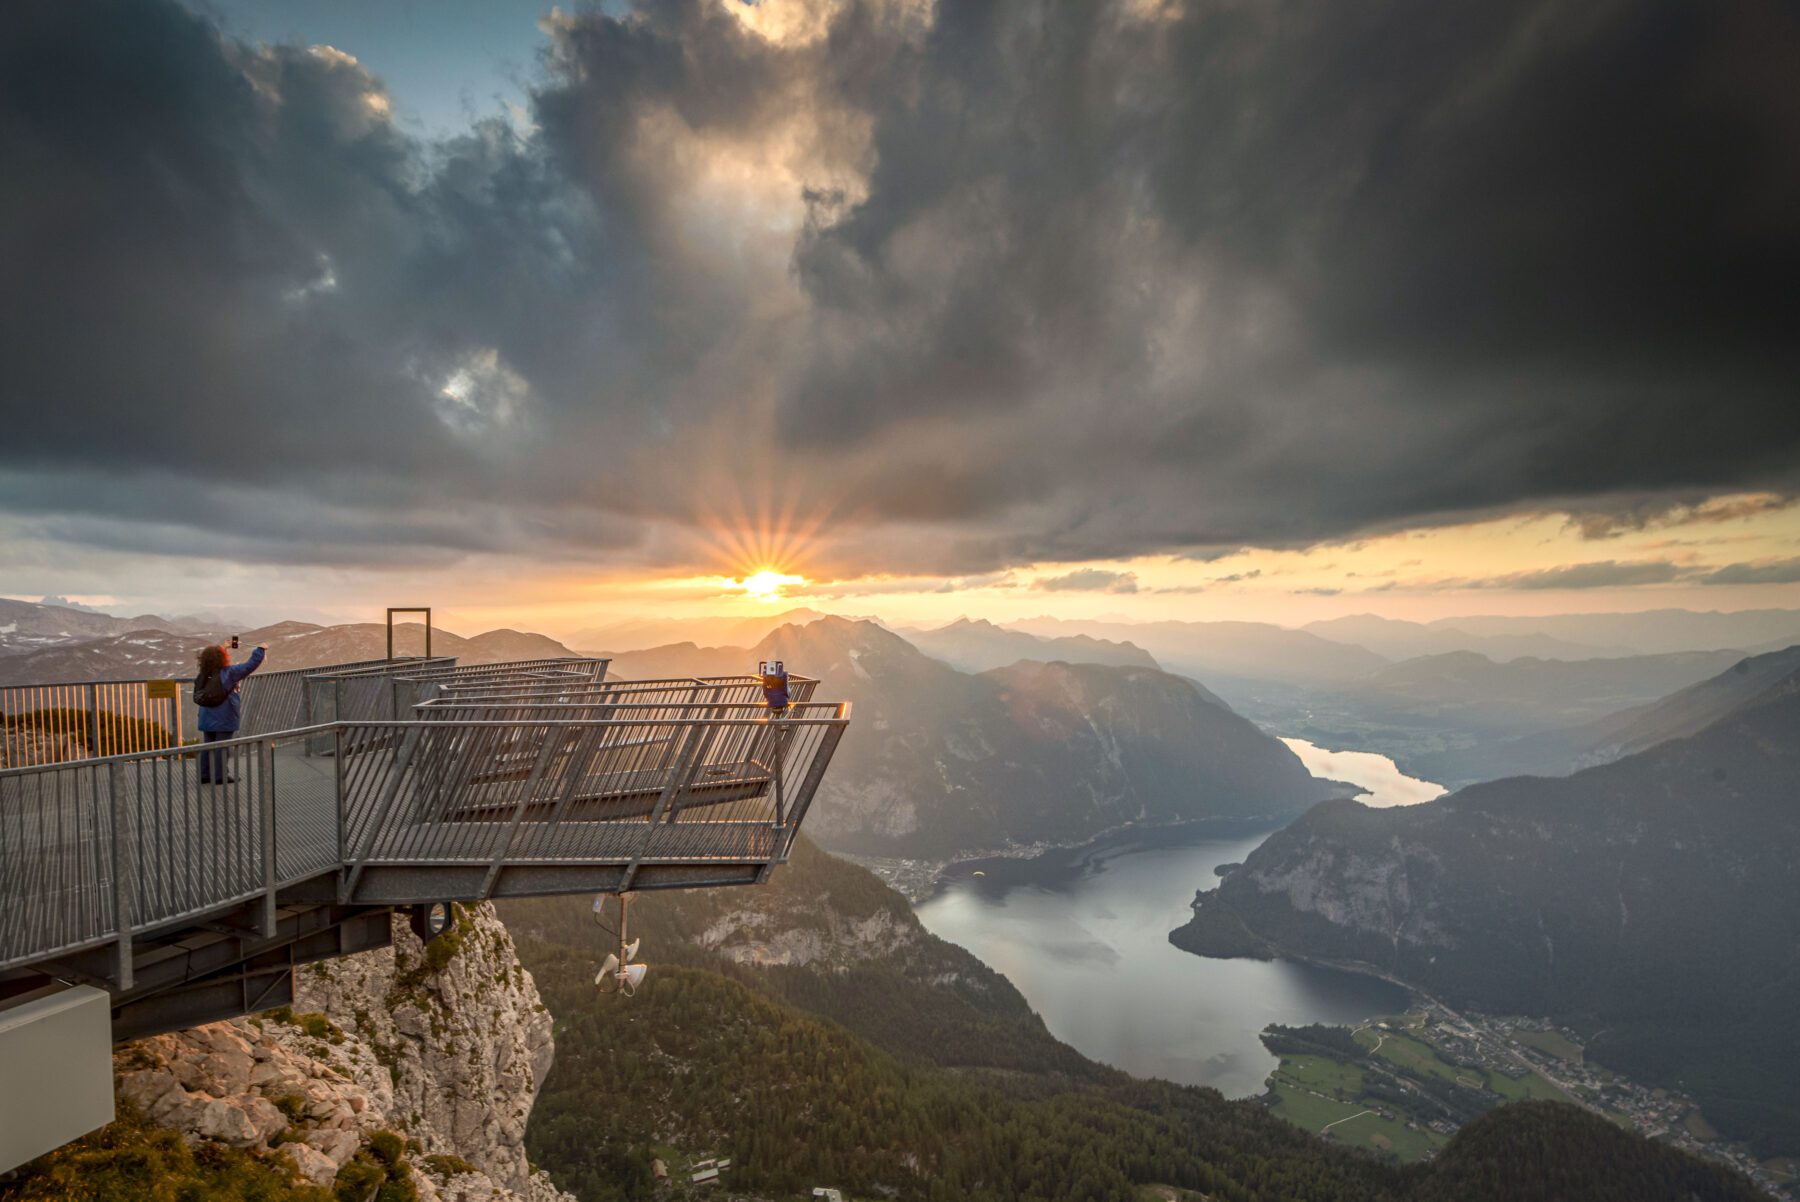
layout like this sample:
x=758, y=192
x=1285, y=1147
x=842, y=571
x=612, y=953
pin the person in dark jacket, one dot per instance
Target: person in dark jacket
x=221, y=721
x=775, y=687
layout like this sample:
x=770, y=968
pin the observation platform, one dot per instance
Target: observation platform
x=359, y=788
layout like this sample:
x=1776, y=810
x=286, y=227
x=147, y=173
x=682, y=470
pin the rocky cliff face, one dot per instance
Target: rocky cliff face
x=443, y=1045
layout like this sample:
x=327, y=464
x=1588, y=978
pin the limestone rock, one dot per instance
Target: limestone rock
x=459, y=1051
x=312, y=1164
x=446, y=1050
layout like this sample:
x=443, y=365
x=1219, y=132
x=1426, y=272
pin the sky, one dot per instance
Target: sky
x=1149, y=309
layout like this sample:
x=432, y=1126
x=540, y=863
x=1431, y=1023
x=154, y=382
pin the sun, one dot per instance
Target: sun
x=768, y=584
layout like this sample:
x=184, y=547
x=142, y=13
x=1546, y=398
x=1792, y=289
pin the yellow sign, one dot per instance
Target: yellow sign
x=157, y=690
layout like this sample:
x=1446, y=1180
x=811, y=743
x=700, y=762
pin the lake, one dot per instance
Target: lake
x=1386, y=784
x=1083, y=933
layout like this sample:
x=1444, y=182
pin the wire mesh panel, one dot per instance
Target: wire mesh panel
x=193, y=847
x=291, y=699
x=362, y=692
x=56, y=846
x=273, y=701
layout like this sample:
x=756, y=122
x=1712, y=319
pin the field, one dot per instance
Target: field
x=1549, y=1042
x=1352, y=1123
x=1532, y=1086
x=1387, y=1135
x=1323, y=1096
x=1413, y=1056
x=1698, y=1127
x=1325, y=1076
x=1310, y=1111
x=1328, y=1096
x=1418, y=1058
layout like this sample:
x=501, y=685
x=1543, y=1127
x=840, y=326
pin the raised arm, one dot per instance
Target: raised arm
x=237, y=672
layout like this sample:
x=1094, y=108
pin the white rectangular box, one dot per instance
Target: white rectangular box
x=56, y=1080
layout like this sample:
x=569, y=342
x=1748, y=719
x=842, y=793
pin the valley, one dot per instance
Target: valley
x=1405, y=1083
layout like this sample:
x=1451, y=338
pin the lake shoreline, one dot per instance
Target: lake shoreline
x=1207, y=828
x=1082, y=932
x=920, y=880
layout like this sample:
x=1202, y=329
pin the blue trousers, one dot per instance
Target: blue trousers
x=213, y=764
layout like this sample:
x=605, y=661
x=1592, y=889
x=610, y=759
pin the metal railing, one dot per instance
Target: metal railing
x=288, y=699
x=57, y=723
x=448, y=807
x=413, y=687
x=685, y=690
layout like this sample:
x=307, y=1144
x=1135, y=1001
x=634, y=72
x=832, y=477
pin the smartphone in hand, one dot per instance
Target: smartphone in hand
x=234, y=642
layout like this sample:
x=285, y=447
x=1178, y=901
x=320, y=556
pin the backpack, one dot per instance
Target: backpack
x=210, y=690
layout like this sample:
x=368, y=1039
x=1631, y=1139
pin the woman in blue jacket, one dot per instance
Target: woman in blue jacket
x=220, y=721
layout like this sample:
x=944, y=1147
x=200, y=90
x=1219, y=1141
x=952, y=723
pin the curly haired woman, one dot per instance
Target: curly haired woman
x=219, y=678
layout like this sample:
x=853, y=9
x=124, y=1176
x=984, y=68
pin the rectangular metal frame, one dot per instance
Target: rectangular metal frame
x=408, y=609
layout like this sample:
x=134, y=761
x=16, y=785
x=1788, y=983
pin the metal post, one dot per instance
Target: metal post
x=265, y=790
x=121, y=865
x=93, y=719
x=337, y=761
x=780, y=801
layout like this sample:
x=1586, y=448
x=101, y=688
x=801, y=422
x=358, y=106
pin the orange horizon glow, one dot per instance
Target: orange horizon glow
x=753, y=557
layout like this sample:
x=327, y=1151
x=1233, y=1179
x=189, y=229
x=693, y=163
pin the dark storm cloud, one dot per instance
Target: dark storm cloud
x=1294, y=270
x=1061, y=282
x=1780, y=571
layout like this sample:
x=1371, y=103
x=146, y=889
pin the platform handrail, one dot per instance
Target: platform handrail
x=107, y=849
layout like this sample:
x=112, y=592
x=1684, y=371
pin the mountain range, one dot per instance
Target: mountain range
x=1654, y=900
x=1445, y=717
x=1565, y=749
x=140, y=653
x=977, y=646
x=1398, y=639
x=1477, y=694
x=1219, y=651
x=939, y=762
x=638, y=634
x=1652, y=632
x=28, y=625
